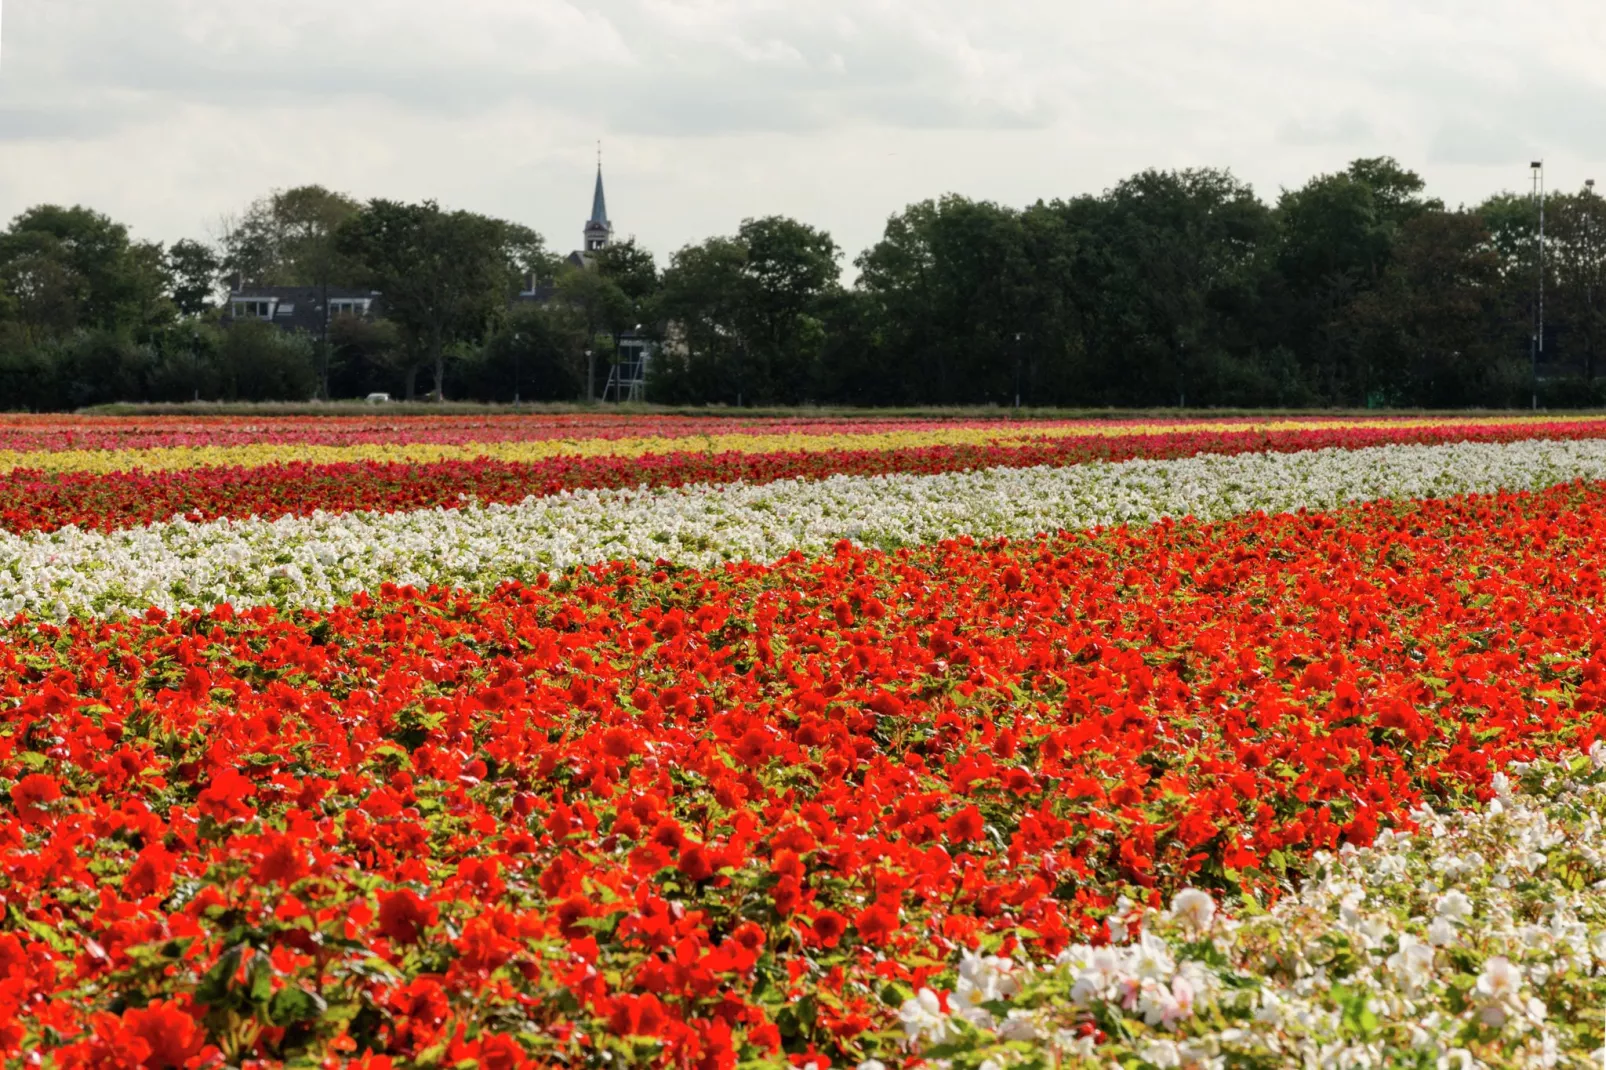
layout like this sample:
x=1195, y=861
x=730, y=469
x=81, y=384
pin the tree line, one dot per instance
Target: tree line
x=1172, y=288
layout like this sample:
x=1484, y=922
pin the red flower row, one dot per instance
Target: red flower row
x=37, y=501
x=741, y=811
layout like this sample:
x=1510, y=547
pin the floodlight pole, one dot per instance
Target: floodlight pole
x=1538, y=347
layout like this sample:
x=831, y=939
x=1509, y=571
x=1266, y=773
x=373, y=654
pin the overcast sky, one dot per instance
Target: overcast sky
x=168, y=113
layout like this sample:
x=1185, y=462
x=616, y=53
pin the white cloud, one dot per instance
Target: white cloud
x=166, y=113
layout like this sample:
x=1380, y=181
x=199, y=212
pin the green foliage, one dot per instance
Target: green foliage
x=747, y=314
x=1172, y=288
x=259, y=362
x=445, y=275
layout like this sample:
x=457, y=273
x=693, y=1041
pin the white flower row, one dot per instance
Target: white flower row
x=323, y=558
x=1480, y=939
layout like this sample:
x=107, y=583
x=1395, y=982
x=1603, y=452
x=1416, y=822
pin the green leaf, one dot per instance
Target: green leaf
x=291, y=1005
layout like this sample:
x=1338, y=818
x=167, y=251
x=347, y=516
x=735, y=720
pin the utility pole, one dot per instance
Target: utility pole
x=1538, y=347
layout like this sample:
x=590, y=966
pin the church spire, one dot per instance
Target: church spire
x=599, y=204
x=598, y=229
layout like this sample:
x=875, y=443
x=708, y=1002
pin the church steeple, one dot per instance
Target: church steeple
x=598, y=229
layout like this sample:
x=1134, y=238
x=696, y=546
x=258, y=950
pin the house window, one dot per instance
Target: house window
x=348, y=307
x=253, y=309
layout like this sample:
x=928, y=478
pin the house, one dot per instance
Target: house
x=299, y=308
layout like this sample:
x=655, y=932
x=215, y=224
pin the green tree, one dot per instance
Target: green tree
x=1336, y=238
x=1433, y=320
x=531, y=355
x=288, y=238
x=262, y=363
x=602, y=311
x=1575, y=252
x=63, y=269
x=747, y=310
x=946, y=280
x=630, y=267
x=193, y=268
x=700, y=301
x=445, y=276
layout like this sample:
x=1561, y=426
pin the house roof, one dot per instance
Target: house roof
x=300, y=307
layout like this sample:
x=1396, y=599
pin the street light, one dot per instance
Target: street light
x=518, y=344
x=1538, y=347
x=1017, y=373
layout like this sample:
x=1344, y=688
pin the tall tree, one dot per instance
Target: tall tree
x=1575, y=251
x=701, y=301
x=749, y=309
x=288, y=238
x=1337, y=234
x=601, y=309
x=193, y=268
x=631, y=268
x=444, y=276
x=69, y=268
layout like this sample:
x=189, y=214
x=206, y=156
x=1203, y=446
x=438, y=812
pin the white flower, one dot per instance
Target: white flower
x=1412, y=964
x=1499, y=990
x=1151, y=958
x=1161, y=1053
x=1118, y=920
x=1441, y=933
x=1017, y=1026
x=1597, y=754
x=923, y=1019
x=1454, y=906
x=1196, y=908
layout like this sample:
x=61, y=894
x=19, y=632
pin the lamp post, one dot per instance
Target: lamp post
x=518, y=344
x=1537, y=349
x=1017, y=373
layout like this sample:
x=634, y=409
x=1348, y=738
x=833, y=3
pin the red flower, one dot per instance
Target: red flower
x=876, y=924
x=694, y=862
x=224, y=798
x=829, y=926
x=501, y=1052
x=151, y=872
x=403, y=916
x=648, y=859
x=966, y=826
x=32, y=796
x=170, y=1034
x=283, y=860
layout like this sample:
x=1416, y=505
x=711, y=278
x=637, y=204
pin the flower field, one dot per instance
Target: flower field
x=594, y=741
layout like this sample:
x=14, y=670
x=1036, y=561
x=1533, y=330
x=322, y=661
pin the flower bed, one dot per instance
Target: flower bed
x=1474, y=939
x=33, y=500
x=318, y=560
x=26, y=434
x=696, y=817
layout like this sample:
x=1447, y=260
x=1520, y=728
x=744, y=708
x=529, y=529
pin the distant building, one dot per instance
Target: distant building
x=299, y=308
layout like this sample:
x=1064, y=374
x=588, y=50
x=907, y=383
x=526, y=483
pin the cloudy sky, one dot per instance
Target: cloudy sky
x=167, y=114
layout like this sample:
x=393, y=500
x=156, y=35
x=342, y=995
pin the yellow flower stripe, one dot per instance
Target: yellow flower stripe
x=171, y=458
